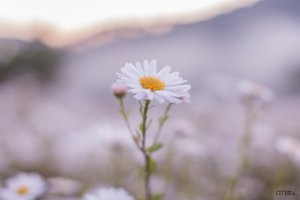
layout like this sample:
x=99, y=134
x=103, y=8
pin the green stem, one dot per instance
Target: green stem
x=244, y=150
x=126, y=119
x=125, y=116
x=142, y=147
x=146, y=155
x=144, y=123
x=233, y=182
x=246, y=139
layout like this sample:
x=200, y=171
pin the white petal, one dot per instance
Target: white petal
x=132, y=85
x=175, y=74
x=150, y=95
x=171, y=83
x=147, y=68
x=178, y=88
x=169, y=96
x=153, y=64
x=130, y=67
x=119, y=75
x=168, y=93
x=139, y=68
x=170, y=78
x=158, y=98
x=128, y=73
x=164, y=71
x=175, y=100
x=137, y=90
x=140, y=96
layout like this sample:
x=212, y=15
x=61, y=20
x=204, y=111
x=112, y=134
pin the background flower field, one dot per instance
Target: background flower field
x=60, y=119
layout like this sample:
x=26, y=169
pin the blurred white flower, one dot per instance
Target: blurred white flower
x=289, y=147
x=253, y=91
x=24, y=186
x=109, y=194
x=147, y=83
x=119, y=90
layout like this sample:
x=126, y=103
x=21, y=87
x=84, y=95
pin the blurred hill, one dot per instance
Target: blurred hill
x=19, y=57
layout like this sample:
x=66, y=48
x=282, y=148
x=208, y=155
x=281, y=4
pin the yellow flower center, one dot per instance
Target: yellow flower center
x=152, y=83
x=23, y=190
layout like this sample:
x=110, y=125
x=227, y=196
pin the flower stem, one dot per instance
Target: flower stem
x=144, y=123
x=141, y=144
x=246, y=139
x=124, y=115
x=126, y=119
x=146, y=155
x=245, y=142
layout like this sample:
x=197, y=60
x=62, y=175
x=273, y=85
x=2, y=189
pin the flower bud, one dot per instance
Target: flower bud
x=119, y=90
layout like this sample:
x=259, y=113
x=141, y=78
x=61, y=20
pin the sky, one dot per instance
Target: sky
x=64, y=18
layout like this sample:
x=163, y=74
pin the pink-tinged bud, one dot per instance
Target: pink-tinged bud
x=119, y=90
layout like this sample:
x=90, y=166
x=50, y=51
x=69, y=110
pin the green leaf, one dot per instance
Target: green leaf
x=154, y=147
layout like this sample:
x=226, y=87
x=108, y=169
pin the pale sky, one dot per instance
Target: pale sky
x=68, y=16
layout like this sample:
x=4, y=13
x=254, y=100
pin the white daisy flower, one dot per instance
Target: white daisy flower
x=149, y=84
x=253, y=91
x=24, y=186
x=289, y=147
x=109, y=194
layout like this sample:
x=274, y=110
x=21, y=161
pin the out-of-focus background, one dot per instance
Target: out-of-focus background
x=59, y=118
